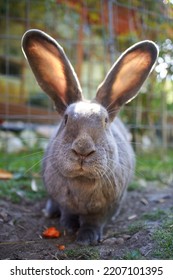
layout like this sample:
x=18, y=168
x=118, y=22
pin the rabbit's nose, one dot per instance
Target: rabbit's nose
x=83, y=148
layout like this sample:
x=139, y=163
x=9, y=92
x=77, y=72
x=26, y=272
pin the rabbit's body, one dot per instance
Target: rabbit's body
x=95, y=186
x=104, y=176
x=89, y=161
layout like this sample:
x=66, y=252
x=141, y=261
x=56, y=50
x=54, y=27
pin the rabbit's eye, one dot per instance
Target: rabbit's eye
x=106, y=120
x=65, y=119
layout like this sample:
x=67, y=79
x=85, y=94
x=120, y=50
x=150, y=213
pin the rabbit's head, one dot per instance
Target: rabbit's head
x=84, y=142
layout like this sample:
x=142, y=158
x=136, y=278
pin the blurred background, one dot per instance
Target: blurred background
x=93, y=34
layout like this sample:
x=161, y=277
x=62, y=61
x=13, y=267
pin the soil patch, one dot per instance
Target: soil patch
x=130, y=236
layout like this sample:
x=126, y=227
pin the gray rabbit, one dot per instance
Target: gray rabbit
x=89, y=161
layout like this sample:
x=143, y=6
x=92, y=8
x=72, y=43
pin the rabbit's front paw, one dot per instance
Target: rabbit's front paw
x=88, y=236
x=70, y=222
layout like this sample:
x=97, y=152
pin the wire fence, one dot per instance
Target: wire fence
x=93, y=34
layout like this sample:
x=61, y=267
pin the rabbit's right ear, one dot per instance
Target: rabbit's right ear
x=126, y=76
x=52, y=69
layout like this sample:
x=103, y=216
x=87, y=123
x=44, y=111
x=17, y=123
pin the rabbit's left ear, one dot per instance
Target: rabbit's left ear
x=52, y=69
x=126, y=76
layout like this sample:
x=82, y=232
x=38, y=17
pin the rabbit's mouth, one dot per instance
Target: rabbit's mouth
x=83, y=169
x=93, y=165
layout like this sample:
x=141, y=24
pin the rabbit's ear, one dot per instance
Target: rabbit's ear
x=52, y=69
x=126, y=76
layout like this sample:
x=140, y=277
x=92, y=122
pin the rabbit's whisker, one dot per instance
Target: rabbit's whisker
x=54, y=171
x=112, y=110
x=125, y=167
x=32, y=166
x=35, y=164
x=100, y=173
x=131, y=142
x=107, y=177
x=106, y=171
x=32, y=154
x=104, y=177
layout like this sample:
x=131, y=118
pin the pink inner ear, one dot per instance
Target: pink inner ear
x=48, y=69
x=130, y=74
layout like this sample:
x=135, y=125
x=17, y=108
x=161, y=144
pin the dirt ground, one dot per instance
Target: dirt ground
x=21, y=227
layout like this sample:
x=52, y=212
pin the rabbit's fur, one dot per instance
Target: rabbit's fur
x=89, y=161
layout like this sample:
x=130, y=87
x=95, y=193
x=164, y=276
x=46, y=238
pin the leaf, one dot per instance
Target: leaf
x=132, y=217
x=34, y=186
x=51, y=232
x=5, y=175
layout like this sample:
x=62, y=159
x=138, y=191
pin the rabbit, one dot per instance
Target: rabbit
x=89, y=161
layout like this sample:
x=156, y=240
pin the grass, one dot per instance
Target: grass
x=136, y=226
x=153, y=165
x=163, y=238
x=154, y=216
x=133, y=255
x=83, y=253
x=26, y=162
x=163, y=234
x=15, y=190
x=25, y=168
x=134, y=185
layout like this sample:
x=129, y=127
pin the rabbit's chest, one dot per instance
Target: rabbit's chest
x=87, y=199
